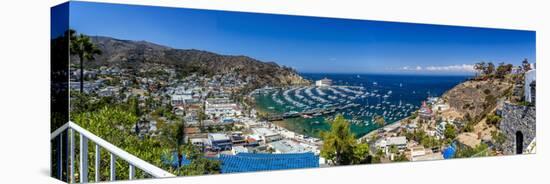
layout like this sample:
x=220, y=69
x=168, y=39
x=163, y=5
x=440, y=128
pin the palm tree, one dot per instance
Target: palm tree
x=82, y=46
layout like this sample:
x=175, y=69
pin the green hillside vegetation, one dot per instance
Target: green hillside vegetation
x=114, y=122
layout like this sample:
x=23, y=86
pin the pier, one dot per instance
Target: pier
x=312, y=113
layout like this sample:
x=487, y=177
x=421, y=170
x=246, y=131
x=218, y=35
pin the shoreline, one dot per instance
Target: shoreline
x=279, y=124
x=390, y=127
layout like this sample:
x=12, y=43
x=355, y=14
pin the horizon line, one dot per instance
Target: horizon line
x=391, y=73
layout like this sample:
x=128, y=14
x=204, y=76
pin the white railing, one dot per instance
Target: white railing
x=484, y=153
x=532, y=148
x=113, y=151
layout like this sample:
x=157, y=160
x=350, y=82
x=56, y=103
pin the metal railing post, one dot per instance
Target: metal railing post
x=132, y=172
x=83, y=159
x=60, y=156
x=67, y=155
x=71, y=155
x=97, y=159
x=113, y=167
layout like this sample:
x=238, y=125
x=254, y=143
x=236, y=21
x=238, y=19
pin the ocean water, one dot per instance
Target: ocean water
x=392, y=96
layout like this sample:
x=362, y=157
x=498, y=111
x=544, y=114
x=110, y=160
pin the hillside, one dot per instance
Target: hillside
x=136, y=54
x=477, y=98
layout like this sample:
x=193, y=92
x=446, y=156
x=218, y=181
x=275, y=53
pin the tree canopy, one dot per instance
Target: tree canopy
x=489, y=69
x=450, y=131
x=340, y=146
x=503, y=70
x=82, y=46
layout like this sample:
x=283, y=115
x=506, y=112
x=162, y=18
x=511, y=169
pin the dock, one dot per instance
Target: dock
x=312, y=113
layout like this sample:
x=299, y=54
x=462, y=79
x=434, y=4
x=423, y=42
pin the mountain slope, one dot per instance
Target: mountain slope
x=131, y=54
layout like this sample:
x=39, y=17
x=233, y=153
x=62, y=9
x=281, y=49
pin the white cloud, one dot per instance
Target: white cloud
x=449, y=68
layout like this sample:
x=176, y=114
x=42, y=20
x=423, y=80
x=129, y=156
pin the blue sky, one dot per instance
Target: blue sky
x=310, y=44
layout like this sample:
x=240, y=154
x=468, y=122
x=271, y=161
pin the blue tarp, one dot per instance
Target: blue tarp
x=249, y=162
x=449, y=152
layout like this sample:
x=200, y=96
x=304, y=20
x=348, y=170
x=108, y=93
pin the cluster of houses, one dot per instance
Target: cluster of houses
x=203, y=102
x=259, y=139
x=392, y=142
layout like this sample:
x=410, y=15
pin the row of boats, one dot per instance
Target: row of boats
x=369, y=103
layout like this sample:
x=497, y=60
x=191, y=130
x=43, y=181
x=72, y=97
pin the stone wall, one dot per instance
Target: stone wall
x=517, y=118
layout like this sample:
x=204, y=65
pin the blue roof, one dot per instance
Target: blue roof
x=249, y=162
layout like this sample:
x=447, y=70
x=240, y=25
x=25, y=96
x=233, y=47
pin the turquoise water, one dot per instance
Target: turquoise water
x=392, y=96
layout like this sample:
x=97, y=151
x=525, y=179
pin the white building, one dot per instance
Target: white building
x=440, y=106
x=219, y=141
x=180, y=96
x=323, y=82
x=250, y=123
x=385, y=143
x=411, y=127
x=199, y=142
x=530, y=77
x=440, y=129
x=221, y=107
x=267, y=135
x=287, y=146
x=238, y=149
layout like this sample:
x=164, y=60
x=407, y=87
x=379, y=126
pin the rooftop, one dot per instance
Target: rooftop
x=218, y=136
x=397, y=140
x=250, y=162
x=288, y=146
x=264, y=131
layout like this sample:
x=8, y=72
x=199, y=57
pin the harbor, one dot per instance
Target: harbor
x=359, y=98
